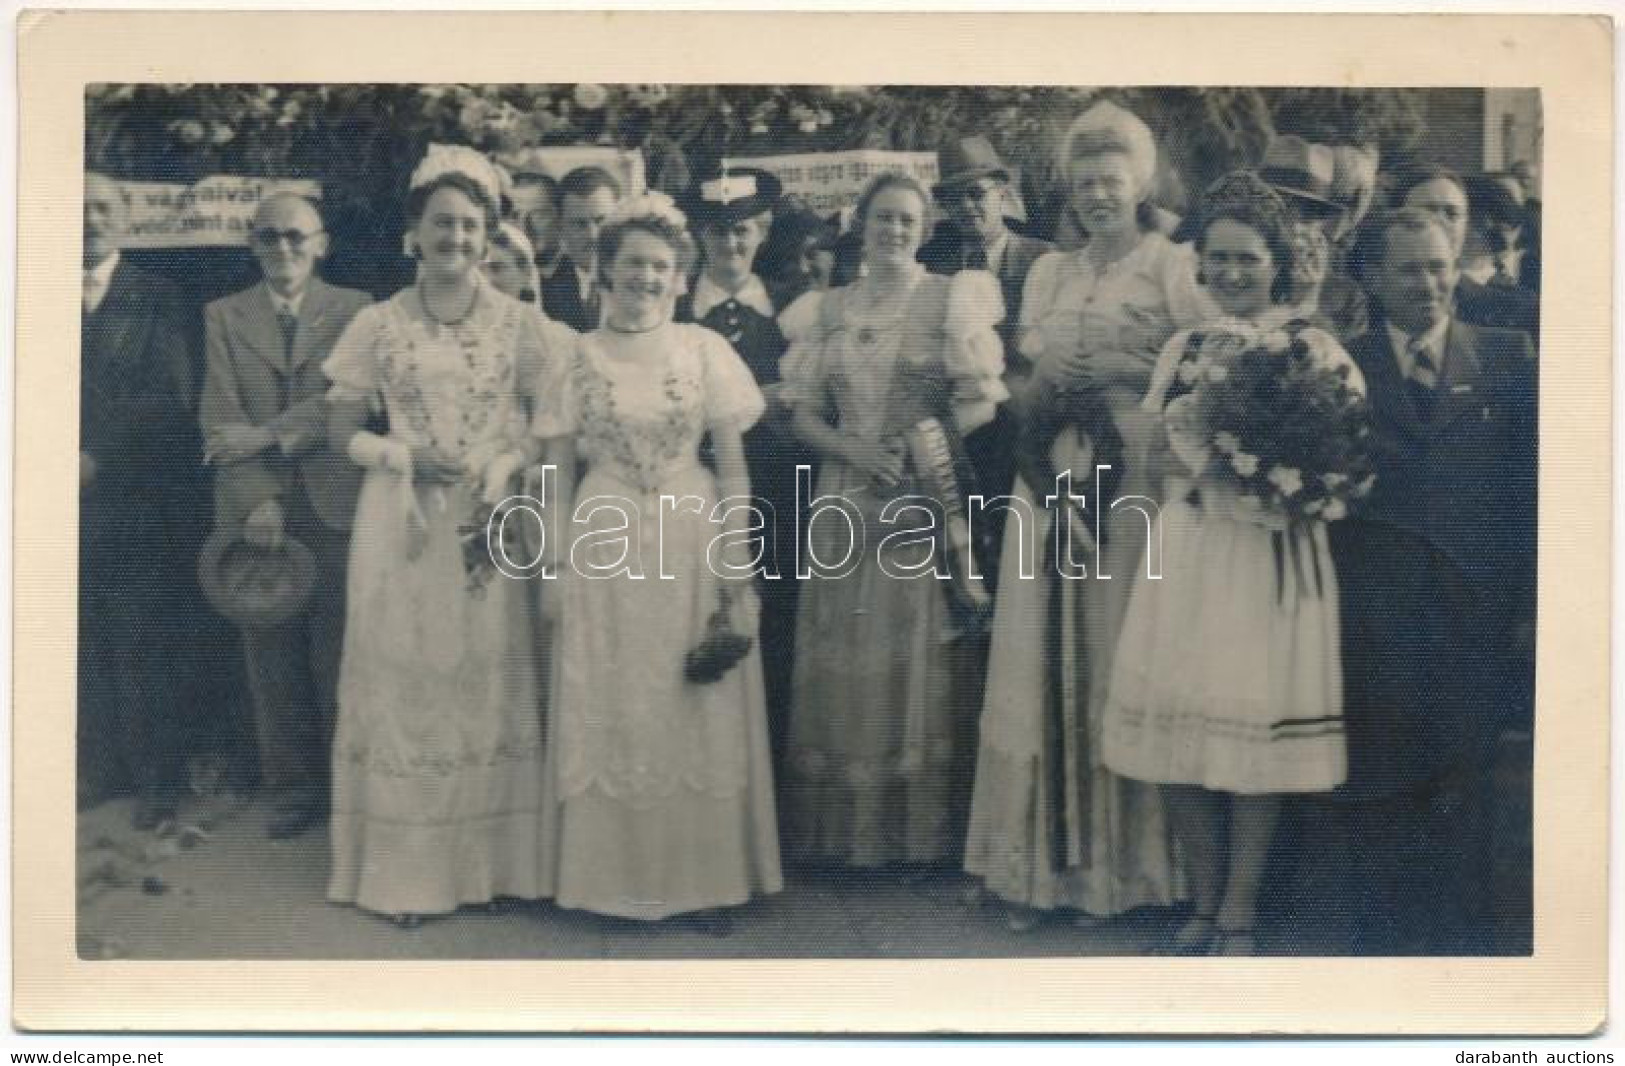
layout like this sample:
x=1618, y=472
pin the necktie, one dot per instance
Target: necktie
x=589, y=305
x=1505, y=270
x=93, y=291
x=1424, y=379
x=290, y=328
x=975, y=255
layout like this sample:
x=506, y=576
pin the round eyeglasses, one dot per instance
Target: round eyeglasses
x=270, y=238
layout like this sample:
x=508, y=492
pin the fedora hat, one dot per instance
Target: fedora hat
x=734, y=194
x=1303, y=173
x=966, y=160
x=255, y=587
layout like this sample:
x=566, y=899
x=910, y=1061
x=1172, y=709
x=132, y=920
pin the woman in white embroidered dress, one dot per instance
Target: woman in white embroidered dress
x=880, y=744
x=437, y=757
x=1227, y=685
x=660, y=792
x=1050, y=826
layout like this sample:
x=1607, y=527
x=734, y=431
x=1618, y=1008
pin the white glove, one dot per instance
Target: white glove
x=380, y=453
x=497, y=476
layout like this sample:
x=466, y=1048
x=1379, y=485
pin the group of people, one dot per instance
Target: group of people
x=896, y=683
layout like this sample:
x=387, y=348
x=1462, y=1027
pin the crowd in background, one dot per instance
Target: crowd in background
x=651, y=749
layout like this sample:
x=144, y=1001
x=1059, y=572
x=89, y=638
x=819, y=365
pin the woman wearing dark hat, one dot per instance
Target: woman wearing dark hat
x=730, y=215
x=799, y=254
x=1498, y=252
x=1443, y=193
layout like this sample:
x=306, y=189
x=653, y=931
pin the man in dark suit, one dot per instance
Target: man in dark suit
x=1443, y=193
x=1437, y=585
x=587, y=195
x=137, y=451
x=974, y=192
x=264, y=418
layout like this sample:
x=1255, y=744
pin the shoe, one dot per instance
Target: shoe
x=1019, y=919
x=293, y=820
x=1084, y=920
x=1195, y=937
x=153, y=810
x=714, y=923
x=1232, y=943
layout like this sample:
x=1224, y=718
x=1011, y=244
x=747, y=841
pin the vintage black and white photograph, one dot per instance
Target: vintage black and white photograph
x=726, y=521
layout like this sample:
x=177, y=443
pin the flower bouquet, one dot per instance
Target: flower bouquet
x=479, y=547
x=722, y=647
x=1280, y=422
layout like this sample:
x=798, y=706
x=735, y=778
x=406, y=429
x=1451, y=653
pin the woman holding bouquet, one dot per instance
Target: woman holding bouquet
x=1051, y=827
x=1226, y=689
x=660, y=791
x=882, y=375
x=437, y=758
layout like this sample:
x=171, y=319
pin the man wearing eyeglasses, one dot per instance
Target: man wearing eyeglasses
x=264, y=419
x=975, y=194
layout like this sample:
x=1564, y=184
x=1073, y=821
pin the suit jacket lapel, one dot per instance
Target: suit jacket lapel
x=258, y=321
x=110, y=325
x=1386, y=388
x=123, y=297
x=317, y=305
x=1460, y=382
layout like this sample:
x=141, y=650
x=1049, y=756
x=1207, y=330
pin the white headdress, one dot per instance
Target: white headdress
x=649, y=204
x=1107, y=127
x=457, y=159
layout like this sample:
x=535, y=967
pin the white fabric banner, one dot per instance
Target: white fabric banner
x=831, y=181
x=218, y=210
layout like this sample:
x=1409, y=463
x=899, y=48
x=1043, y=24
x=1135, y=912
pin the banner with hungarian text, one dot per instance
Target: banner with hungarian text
x=218, y=210
x=830, y=182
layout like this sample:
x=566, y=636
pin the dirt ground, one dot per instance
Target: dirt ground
x=213, y=886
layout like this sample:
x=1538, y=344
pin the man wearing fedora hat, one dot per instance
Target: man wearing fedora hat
x=264, y=419
x=974, y=192
x=730, y=214
x=1305, y=175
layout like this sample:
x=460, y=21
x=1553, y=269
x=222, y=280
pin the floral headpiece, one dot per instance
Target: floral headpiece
x=457, y=159
x=650, y=203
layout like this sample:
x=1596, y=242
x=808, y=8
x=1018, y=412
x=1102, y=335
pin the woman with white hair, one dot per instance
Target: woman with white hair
x=1050, y=826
